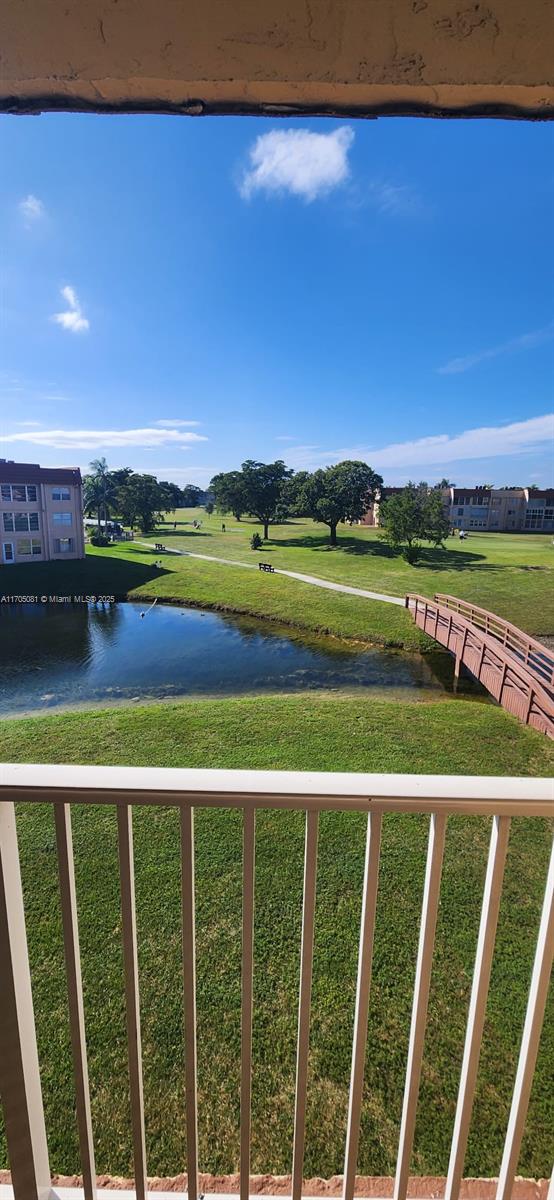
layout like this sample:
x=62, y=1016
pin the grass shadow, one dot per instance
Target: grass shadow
x=95, y=575
x=348, y=545
x=449, y=560
x=179, y=533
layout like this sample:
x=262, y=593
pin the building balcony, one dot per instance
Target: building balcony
x=377, y=800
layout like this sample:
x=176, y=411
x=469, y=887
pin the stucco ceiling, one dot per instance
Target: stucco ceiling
x=437, y=57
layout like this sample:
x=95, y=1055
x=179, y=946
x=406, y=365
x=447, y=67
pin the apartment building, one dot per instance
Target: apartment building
x=498, y=510
x=501, y=509
x=41, y=513
x=371, y=517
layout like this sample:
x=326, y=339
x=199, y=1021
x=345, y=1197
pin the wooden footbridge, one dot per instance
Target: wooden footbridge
x=517, y=670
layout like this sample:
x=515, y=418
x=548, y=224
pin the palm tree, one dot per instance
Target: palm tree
x=93, y=493
x=100, y=490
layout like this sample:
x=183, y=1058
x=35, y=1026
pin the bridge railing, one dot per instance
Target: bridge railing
x=498, y=799
x=505, y=676
x=536, y=657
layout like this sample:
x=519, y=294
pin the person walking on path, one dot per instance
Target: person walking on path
x=223, y=526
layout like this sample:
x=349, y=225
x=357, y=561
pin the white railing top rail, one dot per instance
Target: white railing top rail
x=320, y=790
x=438, y=795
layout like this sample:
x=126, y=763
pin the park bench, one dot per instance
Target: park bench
x=265, y=567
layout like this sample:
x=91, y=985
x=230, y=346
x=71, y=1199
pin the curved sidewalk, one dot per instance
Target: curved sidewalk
x=313, y=579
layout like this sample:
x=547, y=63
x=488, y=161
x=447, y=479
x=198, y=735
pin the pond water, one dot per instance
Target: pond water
x=71, y=655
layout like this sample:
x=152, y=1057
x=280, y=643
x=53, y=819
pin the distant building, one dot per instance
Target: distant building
x=539, y=509
x=41, y=513
x=501, y=509
x=498, y=510
x=371, y=517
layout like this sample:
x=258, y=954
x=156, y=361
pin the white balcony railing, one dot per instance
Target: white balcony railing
x=439, y=796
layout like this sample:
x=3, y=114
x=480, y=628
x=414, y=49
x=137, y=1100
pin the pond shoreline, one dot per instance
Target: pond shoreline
x=427, y=646
x=183, y=698
x=110, y=654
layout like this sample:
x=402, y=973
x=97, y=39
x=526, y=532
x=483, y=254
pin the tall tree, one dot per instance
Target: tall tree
x=191, y=495
x=121, y=475
x=263, y=489
x=172, y=495
x=102, y=488
x=340, y=493
x=293, y=494
x=93, y=496
x=413, y=515
x=142, y=500
x=229, y=491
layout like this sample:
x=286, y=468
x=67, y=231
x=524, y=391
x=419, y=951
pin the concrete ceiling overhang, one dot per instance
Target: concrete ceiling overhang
x=279, y=57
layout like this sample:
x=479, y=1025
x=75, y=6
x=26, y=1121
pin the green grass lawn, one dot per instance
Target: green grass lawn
x=298, y=732
x=513, y=575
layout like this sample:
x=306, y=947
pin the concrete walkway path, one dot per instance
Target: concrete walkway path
x=312, y=579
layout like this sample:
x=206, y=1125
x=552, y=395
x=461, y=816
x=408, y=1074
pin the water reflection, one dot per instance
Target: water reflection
x=53, y=655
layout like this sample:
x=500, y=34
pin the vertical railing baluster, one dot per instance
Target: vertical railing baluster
x=429, y=910
x=306, y=959
x=478, y=1002
x=365, y=955
x=249, y=832
x=19, y=1070
x=536, y=1004
x=66, y=871
x=189, y=993
x=132, y=1002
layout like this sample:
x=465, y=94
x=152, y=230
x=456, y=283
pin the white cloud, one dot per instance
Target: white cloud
x=28, y=423
x=72, y=318
x=98, y=439
x=306, y=458
x=439, y=449
x=395, y=199
x=297, y=161
x=526, y=341
x=31, y=209
x=285, y=437
x=174, y=422
x=486, y=442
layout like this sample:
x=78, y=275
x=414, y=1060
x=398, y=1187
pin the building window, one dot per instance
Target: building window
x=61, y=493
x=8, y=552
x=29, y=546
x=61, y=518
x=8, y=522
x=63, y=545
x=24, y=522
x=460, y=512
x=19, y=493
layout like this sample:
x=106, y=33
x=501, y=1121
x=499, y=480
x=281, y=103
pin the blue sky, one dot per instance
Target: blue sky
x=180, y=295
